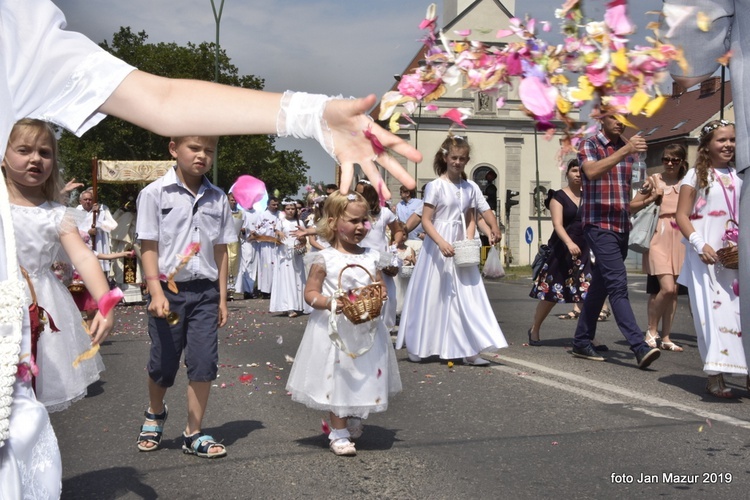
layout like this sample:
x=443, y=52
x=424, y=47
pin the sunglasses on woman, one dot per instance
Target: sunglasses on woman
x=673, y=161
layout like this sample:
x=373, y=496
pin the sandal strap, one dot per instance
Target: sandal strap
x=201, y=442
x=156, y=416
x=152, y=428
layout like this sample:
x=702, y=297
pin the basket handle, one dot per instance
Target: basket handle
x=31, y=286
x=354, y=265
x=726, y=224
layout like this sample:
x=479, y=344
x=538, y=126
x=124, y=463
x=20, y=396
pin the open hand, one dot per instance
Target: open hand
x=348, y=122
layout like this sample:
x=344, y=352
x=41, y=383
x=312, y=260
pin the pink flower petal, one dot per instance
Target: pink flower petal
x=110, y=300
x=377, y=146
x=455, y=116
x=617, y=19
x=325, y=427
x=380, y=372
x=537, y=96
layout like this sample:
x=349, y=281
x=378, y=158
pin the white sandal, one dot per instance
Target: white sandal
x=651, y=339
x=342, y=447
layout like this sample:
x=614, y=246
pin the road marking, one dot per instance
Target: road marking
x=625, y=393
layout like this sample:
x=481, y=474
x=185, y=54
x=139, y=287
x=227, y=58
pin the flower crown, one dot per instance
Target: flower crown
x=713, y=126
x=364, y=181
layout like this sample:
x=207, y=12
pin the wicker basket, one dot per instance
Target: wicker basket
x=368, y=300
x=406, y=271
x=467, y=253
x=77, y=287
x=729, y=256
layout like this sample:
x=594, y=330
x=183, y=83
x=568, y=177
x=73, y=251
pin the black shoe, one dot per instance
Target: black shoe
x=533, y=342
x=601, y=348
x=646, y=356
x=587, y=352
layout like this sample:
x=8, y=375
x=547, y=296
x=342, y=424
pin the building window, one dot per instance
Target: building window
x=537, y=196
x=486, y=179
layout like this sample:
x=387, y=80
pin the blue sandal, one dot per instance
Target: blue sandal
x=199, y=444
x=152, y=433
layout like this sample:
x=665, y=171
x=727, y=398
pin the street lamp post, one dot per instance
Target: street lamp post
x=217, y=18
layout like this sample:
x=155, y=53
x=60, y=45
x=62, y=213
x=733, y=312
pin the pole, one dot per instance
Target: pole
x=217, y=18
x=537, y=204
x=721, y=111
x=416, y=142
x=94, y=179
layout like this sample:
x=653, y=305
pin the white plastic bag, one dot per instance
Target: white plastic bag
x=493, y=268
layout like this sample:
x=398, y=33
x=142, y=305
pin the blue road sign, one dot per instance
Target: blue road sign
x=529, y=235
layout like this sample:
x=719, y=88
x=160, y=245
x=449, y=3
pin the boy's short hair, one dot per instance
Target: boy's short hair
x=178, y=140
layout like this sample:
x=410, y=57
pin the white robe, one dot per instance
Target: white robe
x=62, y=77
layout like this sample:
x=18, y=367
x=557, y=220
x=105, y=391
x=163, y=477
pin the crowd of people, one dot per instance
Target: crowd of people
x=344, y=265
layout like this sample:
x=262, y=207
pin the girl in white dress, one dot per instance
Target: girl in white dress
x=446, y=310
x=377, y=238
x=289, y=271
x=341, y=368
x=42, y=227
x=709, y=197
x=408, y=257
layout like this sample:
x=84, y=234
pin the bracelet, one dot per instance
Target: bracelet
x=301, y=115
x=152, y=278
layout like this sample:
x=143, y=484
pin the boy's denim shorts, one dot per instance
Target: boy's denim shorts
x=196, y=334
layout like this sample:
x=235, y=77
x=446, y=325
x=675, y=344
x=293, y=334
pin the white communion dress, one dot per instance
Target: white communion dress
x=325, y=377
x=446, y=311
x=38, y=232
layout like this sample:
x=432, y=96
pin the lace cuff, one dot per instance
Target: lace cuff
x=301, y=116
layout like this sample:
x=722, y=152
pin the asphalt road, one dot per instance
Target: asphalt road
x=538, y=423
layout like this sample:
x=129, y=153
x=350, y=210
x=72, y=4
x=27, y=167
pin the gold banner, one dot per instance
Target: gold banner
x=120, y=171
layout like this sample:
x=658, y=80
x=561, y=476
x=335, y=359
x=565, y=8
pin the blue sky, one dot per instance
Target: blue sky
x=348, y=47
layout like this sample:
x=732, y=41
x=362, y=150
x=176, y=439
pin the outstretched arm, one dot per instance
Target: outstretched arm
x=87, y=265
x=159, y=104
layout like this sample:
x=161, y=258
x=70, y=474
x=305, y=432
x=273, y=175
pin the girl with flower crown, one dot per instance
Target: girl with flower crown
x=707, y=212
x=345, y=369
x=33, y=180
x=289, y=269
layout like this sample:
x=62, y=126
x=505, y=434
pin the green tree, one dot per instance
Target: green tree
x=117, y=139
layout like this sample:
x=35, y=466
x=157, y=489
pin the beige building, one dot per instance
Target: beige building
x=503, y=140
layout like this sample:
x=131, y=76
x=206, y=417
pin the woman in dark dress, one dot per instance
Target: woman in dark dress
x=565, y=276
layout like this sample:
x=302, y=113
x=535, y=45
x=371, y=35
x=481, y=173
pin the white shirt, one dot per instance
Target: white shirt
x=169, y=214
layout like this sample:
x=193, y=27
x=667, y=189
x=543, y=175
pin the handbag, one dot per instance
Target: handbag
x=539, y=260
x=643, y=227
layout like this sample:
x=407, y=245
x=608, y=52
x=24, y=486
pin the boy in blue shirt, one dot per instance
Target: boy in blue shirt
x=184, y=224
